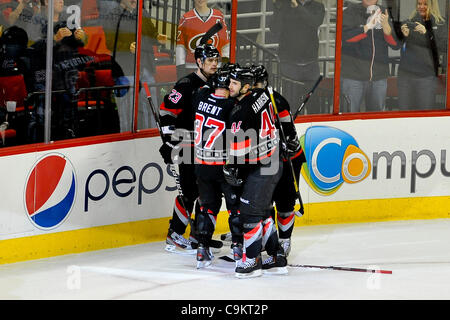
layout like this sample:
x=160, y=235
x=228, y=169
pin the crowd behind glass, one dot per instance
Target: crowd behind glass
x=393, y=58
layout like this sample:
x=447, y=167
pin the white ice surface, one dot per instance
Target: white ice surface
x=417, y=252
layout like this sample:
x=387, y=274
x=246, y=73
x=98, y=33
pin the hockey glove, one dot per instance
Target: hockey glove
x=290, y=147
x=170, y=151
x=232, y=176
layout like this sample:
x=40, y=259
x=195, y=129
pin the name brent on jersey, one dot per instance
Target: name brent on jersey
x=209, y=108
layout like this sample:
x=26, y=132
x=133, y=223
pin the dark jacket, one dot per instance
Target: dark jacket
x=363, y=59
x=297, y=30
x=420, y=52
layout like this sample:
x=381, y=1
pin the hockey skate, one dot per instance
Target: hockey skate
x=275, y=265
x=248, y=267
x=204, y=256
x=235, y=253
x=178, y=244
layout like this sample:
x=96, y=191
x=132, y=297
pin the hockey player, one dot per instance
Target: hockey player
x=254, y=163
x=212, y=107
x=284, y=194
x=177, y=116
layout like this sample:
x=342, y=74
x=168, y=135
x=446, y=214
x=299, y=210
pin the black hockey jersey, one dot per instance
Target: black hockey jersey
x=286, y=119
x=211, y=114
x=252, y=123
x=176, y=110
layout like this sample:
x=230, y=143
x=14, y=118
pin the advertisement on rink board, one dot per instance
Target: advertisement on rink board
x=117, y=182
x=376, y=159
x=84, y=186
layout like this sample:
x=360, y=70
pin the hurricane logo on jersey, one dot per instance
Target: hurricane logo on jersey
x=333, y=157
x=195, y=41
x=50, y=191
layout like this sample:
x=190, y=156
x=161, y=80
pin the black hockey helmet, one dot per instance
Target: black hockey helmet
x=242, y=74
x=204, y=51
x=229, y=67
x=260, y=74
x=221, y=79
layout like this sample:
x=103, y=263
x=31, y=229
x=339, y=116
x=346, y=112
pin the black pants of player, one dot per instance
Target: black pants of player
x=211, y=191
x=181, y=216
x=285, y=196
x=255, y=208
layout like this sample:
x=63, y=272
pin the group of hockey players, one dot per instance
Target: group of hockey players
x=231, y=138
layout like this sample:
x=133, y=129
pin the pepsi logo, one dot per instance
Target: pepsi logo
x=50, y=191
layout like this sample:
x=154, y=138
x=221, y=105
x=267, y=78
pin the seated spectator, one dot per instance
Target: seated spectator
x=14, y=69
x=67, y=39
x=424, y=40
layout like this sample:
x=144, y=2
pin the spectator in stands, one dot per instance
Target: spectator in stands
x=424, y=40
x=145, y=120
x=13, y=65
x=296, y=26
x=13, y=44
x=366, y=36
x=38, y=28
x=120, y=30
x=191, y=27
x=67, y=38
x=23, y=14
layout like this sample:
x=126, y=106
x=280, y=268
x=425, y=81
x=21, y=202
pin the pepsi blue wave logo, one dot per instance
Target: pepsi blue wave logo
x=50, y=191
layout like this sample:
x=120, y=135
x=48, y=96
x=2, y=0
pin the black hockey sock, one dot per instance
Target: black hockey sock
x=252, y=239
x=193, y=234
x=270, y=236
x=285, y=221
x=235, y=224
x=205, y=223
x=180, y=218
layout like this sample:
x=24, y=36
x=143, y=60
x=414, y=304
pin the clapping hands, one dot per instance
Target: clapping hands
x=374, y=20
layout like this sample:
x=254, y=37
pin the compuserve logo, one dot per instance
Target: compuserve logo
x=50, y=191
x=333, y=157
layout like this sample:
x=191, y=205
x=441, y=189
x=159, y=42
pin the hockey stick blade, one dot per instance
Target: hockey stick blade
x=227, y=258
x=340, y=268
x=211, y=32
x=216, y=244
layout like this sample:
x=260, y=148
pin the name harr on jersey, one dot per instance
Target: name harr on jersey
x=211, y=113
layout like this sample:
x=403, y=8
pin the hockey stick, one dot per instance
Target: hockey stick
x=211, y=32
x=308, y=95
x=171, y=165
x=283, y=140
x=340, y=268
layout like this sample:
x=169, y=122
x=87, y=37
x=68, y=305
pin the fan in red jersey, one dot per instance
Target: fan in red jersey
x=192, y=27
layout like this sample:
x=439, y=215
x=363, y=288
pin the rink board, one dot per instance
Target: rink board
x=120, y=193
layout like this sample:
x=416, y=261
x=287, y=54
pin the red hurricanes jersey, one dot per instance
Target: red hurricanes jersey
x=191, y=28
